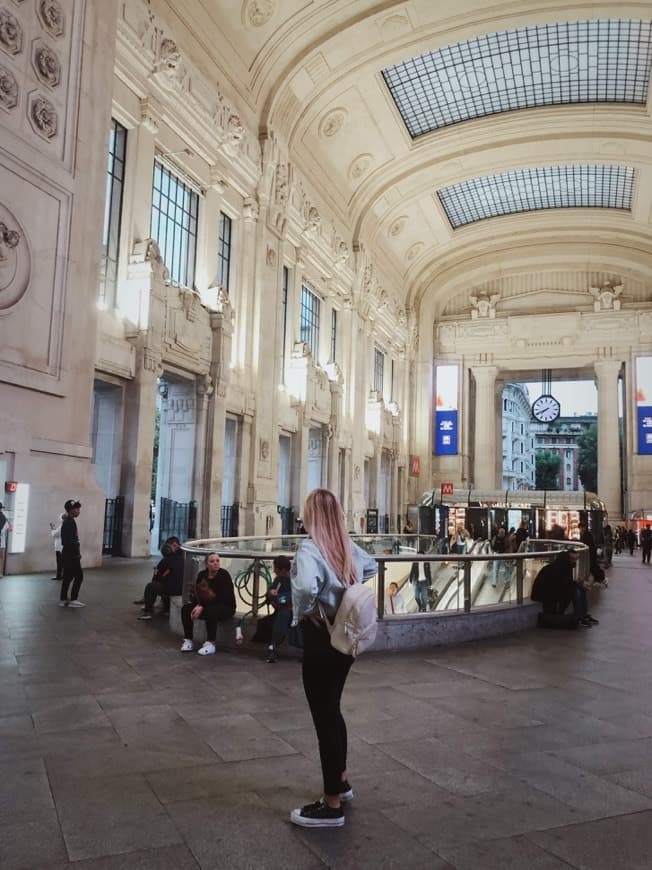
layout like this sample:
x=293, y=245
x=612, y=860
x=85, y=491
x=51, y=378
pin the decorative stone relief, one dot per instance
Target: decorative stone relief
x=270, y=258
x=313, y=220
x=250, y=210
x=8, y=89
x=341, y=253
x=282, y=185
x=484, y=306
x=331, y=124
x=15, y=260
x=51, y=15
x=46, y=63
x=169, y=70
x=43, y=117
x=393, y=26
x=256, y=13
x=154, y=257
x=11, y=34
x=413, y=251
x=263, y=450
x=359, y=166
x=606, y=296
x=397, y=226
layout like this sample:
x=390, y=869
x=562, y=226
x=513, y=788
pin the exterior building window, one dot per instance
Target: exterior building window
x=392, y=384
x=309, y=323
x=175, y=208
x=224, y=252
x=333, y=334
x=112, y=214
x=284, y=318
x=379, y=369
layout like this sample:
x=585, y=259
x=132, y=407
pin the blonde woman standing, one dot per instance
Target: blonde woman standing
x=323, y=566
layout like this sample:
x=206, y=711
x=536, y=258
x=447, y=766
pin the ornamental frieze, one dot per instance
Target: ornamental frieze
x=11, y=33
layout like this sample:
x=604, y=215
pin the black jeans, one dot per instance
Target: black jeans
x=153, y=589
x=59, y=558
x=324, y=674
x=282, y=619
x=211, y=613
x=72, y=572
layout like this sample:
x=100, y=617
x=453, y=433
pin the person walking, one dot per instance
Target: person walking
x=421, y=580
x=631, y=541
x=213, y=600
x=646, y=544
x=71, y=556
x=5, y=526
x=324, y=564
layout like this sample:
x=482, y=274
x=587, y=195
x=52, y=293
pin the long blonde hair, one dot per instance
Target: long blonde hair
x=323, y=518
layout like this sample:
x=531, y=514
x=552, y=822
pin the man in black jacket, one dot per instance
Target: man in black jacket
x=71, y=556
x=167, y=579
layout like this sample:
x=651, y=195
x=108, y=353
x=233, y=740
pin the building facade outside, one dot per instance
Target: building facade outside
x=561, y=439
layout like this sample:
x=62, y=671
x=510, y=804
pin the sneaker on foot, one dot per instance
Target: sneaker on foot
x=271, y=658
x=139, y=601
x=346, y=792
x=57, y=579
x=63, y=603
x=144, y=616
x=318, y=815
x=592, y=619
x=586, y=622
x=76, y=603
x=207, y=649
x=187, y=646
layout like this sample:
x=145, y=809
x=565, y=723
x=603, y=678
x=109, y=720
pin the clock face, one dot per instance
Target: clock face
x=545, y=409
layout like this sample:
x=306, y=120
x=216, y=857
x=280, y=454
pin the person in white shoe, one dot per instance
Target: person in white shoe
x=323, y=565
x=71, y=556
x=213, y=600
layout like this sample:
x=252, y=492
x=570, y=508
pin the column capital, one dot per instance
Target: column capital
x=150, y=115
x=484, y=374
x=607, y=368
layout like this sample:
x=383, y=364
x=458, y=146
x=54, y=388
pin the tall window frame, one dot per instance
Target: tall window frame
x=333, y=357
x=115, y=177
x=285, y=287
x=224, y=252
x=379, y=369
x=174, y=220
x=309, y=320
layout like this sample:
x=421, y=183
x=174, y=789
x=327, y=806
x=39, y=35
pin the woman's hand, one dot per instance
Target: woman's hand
x=196, y=612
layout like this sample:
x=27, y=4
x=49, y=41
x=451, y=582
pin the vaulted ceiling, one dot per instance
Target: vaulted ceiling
x=459, y=142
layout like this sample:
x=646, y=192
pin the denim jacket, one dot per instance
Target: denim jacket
x=314, y=580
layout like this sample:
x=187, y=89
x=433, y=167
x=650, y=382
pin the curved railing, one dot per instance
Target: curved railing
x=460, y=583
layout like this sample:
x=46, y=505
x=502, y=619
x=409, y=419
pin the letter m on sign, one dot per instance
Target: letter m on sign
x=415, y=466
x=447, y=489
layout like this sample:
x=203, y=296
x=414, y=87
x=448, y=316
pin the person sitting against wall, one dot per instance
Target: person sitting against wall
x=212, y=599
x=167, y=580
x=555, y=588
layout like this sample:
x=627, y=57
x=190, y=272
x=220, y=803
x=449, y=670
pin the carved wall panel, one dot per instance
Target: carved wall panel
x=34, y=216
x=39, y=72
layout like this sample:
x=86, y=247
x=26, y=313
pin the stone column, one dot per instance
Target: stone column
x=140, y=415
x=203, y=389
x=484, y=459
x=609, y=485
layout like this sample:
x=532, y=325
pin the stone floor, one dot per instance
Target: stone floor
x=117, y=752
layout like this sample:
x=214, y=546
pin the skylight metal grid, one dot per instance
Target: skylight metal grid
x=575, y=186
x=599, y=61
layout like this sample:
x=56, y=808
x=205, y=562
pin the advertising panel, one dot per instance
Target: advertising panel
x=644, y=403
x=446, y=390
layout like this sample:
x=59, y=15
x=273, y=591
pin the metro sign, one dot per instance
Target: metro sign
x=447, y=489
x=415, y=466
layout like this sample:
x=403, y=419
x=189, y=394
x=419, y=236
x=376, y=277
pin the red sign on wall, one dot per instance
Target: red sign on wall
x=11, y=485
x=447, y=489
x=415, y=466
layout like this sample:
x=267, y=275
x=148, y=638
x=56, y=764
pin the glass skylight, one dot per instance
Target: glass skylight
x=573, y=62
x=596, y=186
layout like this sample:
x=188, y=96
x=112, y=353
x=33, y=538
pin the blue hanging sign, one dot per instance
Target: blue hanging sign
x=445, y=433
x=644, y=428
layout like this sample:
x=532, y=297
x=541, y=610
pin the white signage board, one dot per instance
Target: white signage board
x=18, y=535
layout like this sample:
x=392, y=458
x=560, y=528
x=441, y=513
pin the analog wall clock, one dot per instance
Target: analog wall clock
x=546, y=408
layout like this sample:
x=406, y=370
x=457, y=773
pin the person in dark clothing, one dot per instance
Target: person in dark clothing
x=588, y=540
x=421, y=579
x=213, y=600
x=631, y=541
x=71, y=556
x=5, y=526
x=646, y=544
x=522, y=534
x=279, y=596
x=555, y=588
x=167, y=580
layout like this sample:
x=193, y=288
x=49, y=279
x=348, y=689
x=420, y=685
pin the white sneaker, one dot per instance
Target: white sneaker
x=187, y=646
x=208, y=649
x=63, y=603
x=76, y=603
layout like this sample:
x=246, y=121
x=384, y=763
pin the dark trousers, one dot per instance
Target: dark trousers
x=153, y=589
x=324, y=674
x=282, y=619
x=646, y=555
x=57, y=553
x=211, y=613
x=72, y=573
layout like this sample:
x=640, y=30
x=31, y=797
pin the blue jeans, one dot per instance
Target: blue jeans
x=504, y=567
x=421, y=588
x=282, y=619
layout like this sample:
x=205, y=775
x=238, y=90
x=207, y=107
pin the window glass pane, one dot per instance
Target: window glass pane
x=309, y=321
x=112, y=214
x=224, y=252
x=173, y=224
